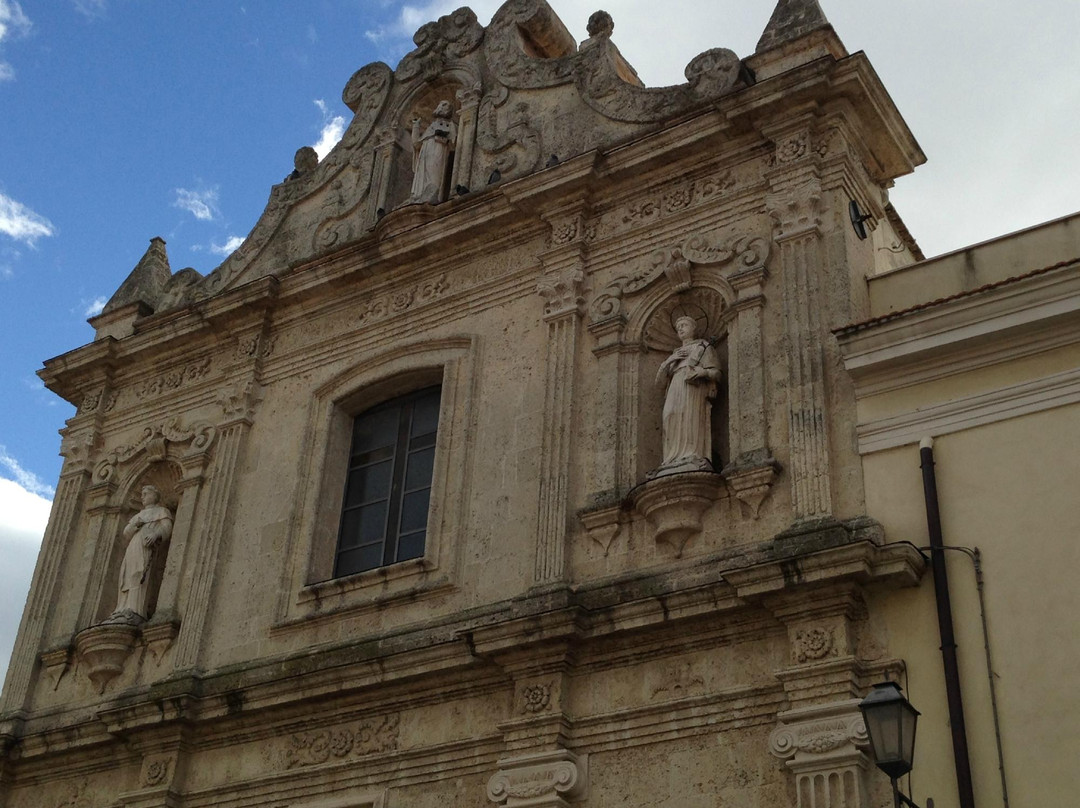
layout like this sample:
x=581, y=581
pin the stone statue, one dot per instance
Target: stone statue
x=146, y=532
x=691, y=372
x=431, y=155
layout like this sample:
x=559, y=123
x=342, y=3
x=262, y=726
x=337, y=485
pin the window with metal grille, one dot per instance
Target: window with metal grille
x=387, y=491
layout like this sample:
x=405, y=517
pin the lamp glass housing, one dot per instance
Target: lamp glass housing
x=890, y=723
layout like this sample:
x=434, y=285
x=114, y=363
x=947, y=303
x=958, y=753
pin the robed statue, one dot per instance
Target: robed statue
x=431, y=155
x=146, y=532
x=691, y=373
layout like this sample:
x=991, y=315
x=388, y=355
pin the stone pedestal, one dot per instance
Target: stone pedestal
x=104, y=649
x=674, y=504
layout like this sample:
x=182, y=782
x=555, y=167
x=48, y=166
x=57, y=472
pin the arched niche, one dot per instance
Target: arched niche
x=166, y=476
x=652, y=329
x=453, y=87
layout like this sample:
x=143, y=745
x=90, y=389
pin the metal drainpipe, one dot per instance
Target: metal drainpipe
x=945, y=627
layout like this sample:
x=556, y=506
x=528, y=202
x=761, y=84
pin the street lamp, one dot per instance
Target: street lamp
x=890, y=723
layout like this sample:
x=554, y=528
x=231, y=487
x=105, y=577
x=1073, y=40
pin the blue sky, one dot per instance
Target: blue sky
x=121, y=120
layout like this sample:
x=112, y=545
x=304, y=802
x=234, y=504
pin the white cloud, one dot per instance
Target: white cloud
x=91, y=9
x=200, y=204
x=26, y=479
x=23, y=517
x=7, y=72
x=21, y=223
x=228, y=247
x=13, y=22
x=94, y=307
x=333, y=127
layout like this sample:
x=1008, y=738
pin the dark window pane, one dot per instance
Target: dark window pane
x=359, y=560
x=418, y=473
x=425, y=417
x=375, y=430
x=414, y=510
x=368, y=484
x=411, y=546
x=350, y=530
x=372, y=522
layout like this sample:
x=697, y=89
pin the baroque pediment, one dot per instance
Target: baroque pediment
x=524, y=94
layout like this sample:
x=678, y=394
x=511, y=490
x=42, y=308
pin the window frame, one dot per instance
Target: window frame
x=309, y=590
x=402, y=450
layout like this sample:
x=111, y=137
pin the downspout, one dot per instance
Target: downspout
x=945, y=628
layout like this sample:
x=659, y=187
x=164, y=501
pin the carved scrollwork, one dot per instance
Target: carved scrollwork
x=561, y=292
x=558, y=773
x=153, y=440
x=437, y=43
x=369, y=737
x=514, y=150
x=173, y=379
x=819, y=736
x=675, y=263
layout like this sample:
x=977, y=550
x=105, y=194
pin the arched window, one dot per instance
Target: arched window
x=385, y=506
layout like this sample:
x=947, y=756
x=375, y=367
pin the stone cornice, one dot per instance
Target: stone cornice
x=965, y=331
x=465, y=653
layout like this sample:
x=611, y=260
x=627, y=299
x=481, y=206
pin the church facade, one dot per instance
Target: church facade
x=554, y=441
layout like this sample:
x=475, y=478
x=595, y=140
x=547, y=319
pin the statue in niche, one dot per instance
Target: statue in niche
x=146, y=532
x=691, y=373
x=432, y=154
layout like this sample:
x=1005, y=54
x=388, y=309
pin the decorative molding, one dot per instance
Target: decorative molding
x=821, y=746
x=54, y=664
x=369, y=737
x=602, y=524
x=562, y=293
x=675, y=263
x=238, y=401
x=751, y=484
x=174, y=379
x=388, y=304
x=100, y=400
x=967, y=412
x=679, y=681
x=542, y=779
x=159, y=637
x=154, y=441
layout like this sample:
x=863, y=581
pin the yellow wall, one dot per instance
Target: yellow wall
x=1011, y=489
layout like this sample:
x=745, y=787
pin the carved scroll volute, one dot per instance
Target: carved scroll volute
x=541, y=780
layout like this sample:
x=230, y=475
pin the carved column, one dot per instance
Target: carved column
x=821, y=747
x=561, y=291
x=561, y=288
x=540, y=780
x=66, y=507
x=238, y=404
x=469, y=101
x=382, y=175
x=794, y=204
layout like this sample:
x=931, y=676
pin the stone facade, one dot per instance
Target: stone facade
x=576, y=630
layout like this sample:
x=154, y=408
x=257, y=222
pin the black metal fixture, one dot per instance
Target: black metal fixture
x=890, y=722
x=858, y=219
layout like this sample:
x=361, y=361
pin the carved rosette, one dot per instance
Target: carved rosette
x=542, y=779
